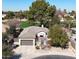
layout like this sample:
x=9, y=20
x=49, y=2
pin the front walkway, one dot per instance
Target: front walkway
x=28, y=52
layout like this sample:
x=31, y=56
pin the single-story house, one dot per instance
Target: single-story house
x=28, y=35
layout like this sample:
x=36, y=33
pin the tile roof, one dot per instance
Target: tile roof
x=30, y=32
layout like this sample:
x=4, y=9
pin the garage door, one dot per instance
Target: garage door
x=26, y=42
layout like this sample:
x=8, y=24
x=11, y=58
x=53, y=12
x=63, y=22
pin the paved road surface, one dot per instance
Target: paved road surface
x=54, y=57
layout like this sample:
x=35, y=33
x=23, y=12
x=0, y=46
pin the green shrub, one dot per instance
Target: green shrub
x=5, y=38
x=12, y=29
x=58, y=36
x=7, y=51
x=24, y=24
x=6, y=47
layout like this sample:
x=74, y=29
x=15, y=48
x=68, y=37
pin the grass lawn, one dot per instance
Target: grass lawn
x=24, y=24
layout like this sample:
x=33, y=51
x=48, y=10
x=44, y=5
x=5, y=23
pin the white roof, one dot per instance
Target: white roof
x=3, y=15
x=41, y=33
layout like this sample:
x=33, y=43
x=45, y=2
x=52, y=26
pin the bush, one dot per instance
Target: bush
x=58, y=36
x=24, y=24
x=12, y=29
x=6, y=47
x=73, y=24
x=7, y=52
x=5, y=38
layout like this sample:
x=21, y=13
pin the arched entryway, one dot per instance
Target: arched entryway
x=41, y=39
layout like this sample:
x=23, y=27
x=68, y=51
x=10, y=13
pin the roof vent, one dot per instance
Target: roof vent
x=42, y=26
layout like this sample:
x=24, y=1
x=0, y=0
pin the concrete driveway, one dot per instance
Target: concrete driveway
x=28, y=52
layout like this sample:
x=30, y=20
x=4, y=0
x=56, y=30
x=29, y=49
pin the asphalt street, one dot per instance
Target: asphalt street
x=54, y=57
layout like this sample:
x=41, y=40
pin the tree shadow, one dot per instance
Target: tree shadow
x=17, y=56
x=54, y=57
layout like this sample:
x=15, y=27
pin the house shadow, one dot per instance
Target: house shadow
x=54, y=57
x=17, y=56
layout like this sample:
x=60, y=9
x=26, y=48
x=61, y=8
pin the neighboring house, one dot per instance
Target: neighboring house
x=29, y=35
x=61, y=15
x=3, y=15
x=72, y=16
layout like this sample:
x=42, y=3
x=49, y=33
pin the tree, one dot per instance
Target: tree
x=6, y=48
x=5, y=38
x=10, y=15
x=58, y=36
x=25, y=13
x=68, y=18
x=12, y=29
x=73, y=24
x=41, y=13
x=7, y=53
x=73, y=13
x=14, y=22
x=20, y=15
x=65, y=11
x=68, y=22
x=37, y=11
